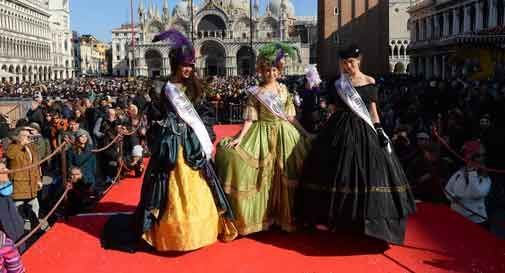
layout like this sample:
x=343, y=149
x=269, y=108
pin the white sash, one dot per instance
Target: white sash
x=187, y=112
x=353, y=100
x=270, y=100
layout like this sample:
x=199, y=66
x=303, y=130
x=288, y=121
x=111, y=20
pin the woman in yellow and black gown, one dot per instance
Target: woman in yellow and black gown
x=350, y=181
x=182, y=205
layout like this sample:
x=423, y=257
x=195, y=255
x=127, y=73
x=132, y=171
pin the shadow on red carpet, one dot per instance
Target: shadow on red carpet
x=437, y=240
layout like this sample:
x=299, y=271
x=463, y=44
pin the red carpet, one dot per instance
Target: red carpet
x=438, y=240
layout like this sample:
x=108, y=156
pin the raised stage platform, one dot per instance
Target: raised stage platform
x=438, y=240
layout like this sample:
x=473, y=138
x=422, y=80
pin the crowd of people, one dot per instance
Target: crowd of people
x=440, y=129
x=71, y=88
x=448, y=136
x=92, y=133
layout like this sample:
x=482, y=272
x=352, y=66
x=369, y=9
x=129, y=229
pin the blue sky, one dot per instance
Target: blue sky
x=98, y=17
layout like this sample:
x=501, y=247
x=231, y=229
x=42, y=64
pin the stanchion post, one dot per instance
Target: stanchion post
x=63, y=157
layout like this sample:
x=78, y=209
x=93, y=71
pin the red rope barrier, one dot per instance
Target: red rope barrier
x=474, y=164
x=32, y=232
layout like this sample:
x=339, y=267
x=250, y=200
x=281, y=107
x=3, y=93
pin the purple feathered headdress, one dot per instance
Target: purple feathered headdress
x=184, y=51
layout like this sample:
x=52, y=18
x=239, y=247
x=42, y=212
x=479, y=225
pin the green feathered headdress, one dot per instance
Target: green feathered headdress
x=273, y=53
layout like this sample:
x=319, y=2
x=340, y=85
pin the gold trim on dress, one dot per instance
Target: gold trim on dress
x=402, y=188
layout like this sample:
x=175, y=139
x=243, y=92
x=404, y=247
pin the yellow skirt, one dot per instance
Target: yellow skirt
x=191, y=220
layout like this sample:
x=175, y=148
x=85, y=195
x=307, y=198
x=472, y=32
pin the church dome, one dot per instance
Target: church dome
x=240, y=5
x=275, y=7
x=181, y=9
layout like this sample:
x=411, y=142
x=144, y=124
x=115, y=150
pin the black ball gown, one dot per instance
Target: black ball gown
x=349, y=180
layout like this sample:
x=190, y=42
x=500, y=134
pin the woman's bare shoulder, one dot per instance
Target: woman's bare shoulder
x=369, y=80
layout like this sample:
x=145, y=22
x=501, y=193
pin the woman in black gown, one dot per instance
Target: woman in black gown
x=351, y=178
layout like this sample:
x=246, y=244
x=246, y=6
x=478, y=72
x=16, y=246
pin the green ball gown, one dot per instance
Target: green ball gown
x=260, y=175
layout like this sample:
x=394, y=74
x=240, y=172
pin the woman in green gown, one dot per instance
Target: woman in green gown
x=259, y=168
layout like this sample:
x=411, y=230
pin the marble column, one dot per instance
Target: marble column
x=446, y=24
x=479, y=15
x=493, y=13
x=455, y=21
x=467, y=21
x=429, y=33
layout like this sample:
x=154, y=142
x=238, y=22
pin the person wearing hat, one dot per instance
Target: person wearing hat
x=27, y=183
x=182, y=206
x=42, y=143
x=36, y=112
x=468, y=188
x=260, y=166
x=425, y=170
x=44, y=150
x=352, y=177
x=80, y=155
x=134, y=162
x=310, y=98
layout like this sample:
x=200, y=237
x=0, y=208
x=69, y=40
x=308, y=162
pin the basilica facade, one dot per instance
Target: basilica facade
x=221, y=35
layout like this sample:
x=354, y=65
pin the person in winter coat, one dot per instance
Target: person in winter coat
x=27, y=183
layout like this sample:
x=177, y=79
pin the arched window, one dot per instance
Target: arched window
x=212, y=23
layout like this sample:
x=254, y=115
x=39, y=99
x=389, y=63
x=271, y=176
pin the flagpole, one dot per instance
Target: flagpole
x=251, y=36
x=133, y=39
x=192, y=23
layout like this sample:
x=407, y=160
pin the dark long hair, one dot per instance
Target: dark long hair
x=193, y=84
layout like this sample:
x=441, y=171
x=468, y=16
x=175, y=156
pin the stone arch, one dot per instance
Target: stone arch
x=399, y=67
x=212, y=25
x=212, y=22
x=213, y=58
x=214, y=11
x=154, y=62
x=246, y=59
x=402, y=51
